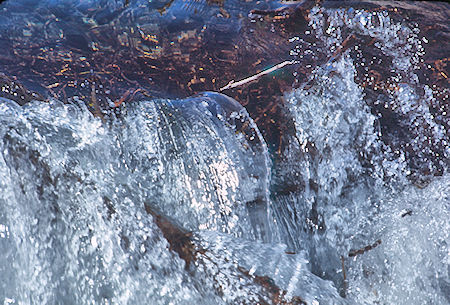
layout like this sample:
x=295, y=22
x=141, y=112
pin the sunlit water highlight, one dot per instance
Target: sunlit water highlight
x=73, y=191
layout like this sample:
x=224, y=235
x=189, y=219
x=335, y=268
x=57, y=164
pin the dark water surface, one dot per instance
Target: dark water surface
x=136, y=168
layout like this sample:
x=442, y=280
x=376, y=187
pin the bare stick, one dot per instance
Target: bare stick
x=233, y=84
x=345, y=286
x=364, y=250
x=97, y=110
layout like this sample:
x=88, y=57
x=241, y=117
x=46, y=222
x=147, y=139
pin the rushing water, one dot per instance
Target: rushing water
x=81, y=189
x=180, y=201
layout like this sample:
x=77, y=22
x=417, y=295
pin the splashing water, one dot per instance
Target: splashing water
x=75, y=194
x=354, y=211
x=344, y=195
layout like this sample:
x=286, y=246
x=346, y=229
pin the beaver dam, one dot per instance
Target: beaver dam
x=224, y=152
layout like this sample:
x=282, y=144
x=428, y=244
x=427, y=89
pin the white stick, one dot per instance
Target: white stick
x=233, y=84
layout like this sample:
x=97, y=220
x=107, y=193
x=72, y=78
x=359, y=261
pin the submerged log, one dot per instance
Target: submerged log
x=14, y=90
x=184, y=245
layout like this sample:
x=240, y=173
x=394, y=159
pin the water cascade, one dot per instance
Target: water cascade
x=185, y=200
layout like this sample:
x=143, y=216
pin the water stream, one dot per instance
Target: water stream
x=184, y=201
